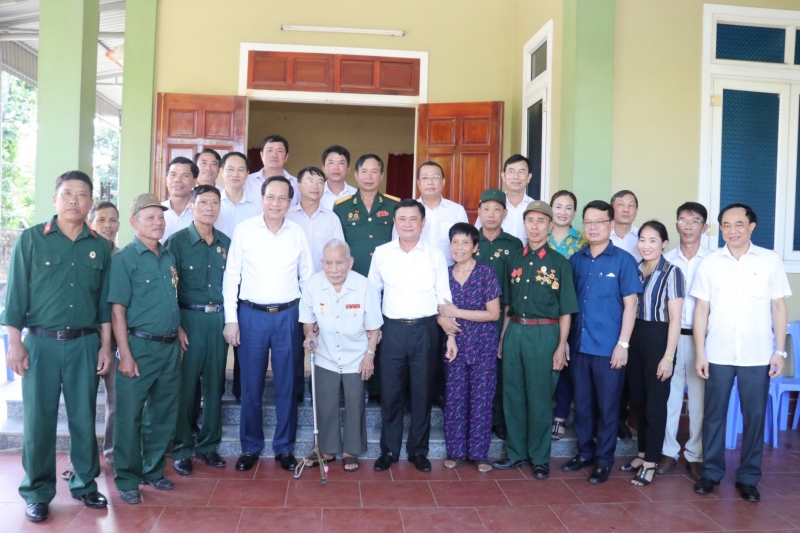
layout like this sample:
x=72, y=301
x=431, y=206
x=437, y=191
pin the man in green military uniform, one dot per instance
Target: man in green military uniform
x=57, y=288
x=143, y=291
x=200, y=253
x=366, y=219
x=493, y=249
x=539, y=297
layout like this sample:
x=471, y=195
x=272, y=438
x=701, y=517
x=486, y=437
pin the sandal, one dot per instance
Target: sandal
x=559, y=428
x=451, y=463
x=313, y=460
x=68, y=472
x=484, y=467
x=641, y=478
x=630, y=467
x=350, y=461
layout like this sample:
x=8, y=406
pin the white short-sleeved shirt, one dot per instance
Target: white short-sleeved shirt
x=328, y=199
x=231, y=215
x=438, y=221
x=629, y=243
x=254, y=181
x=513, y=223
x=343, y=318
x=320, y=228
x=740, y=295
x=689, y=269
x=414, y=283
x=175, y=222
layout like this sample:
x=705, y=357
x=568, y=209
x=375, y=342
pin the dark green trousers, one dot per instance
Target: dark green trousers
x=529, y=382
x=53, y=365
x=147, y=408
x=204, y=361
x=498, y=418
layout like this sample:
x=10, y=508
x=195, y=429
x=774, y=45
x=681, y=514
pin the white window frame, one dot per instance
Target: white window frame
x=715, y=70
x=537, y=89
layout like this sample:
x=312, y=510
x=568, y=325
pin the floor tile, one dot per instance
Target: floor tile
x=468, y=494
x=739, y=514
x=671, y=488
x=199, y=520
x=253, y=493
x=442, y=521
x=261, y=520
x=779, y=462
x=396, y=494
x=597, y=517
x=333, y=494
x=469, y=472
x=786, y=508
x=786, y=485
x=361, y=520
x=60, y=517
x=270, y=469
x=666, y=517
x=727, y=490
x=538, y=492
x=200, y=469
x=188, y=492
x=615, y=490
x=517, y=519
x=366, y=472
x=405, y=471
x=116, y=518
x=9, y=487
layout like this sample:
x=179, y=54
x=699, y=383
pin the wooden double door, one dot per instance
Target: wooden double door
x=466, y=139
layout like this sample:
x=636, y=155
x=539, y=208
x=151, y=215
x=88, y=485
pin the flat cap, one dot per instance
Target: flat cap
x=145, y=200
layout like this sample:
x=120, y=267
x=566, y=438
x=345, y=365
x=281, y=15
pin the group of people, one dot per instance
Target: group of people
x=401, y=301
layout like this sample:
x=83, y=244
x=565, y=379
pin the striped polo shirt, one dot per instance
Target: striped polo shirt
x=665, y=283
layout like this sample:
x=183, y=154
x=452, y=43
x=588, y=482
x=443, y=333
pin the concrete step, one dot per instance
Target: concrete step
x=11, y=438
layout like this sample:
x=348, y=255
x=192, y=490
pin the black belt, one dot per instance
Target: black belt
x=63, y=335
x=212, y=308
x=686, y=331
x=410, y=321
x=270, y=308
x=162, y=339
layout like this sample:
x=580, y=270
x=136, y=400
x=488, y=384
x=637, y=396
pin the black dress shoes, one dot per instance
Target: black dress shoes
x=500, y=432
x=212, y=459
x=541, y=471
x=705, y=485
x=508, y=464
x=376, y=398
x=130, y=496
x=575, y=464
x=36, y=512
x=748, y=492
x=384, y=462
x=183, y=466
x=624, y=432
x=161, y=483
x=599, y=474
x=93, y=500
x=287, y=460
x=246, y=461
x=420, y=462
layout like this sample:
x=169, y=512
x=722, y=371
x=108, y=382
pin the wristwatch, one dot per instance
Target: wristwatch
x=624, y=344
x=371, y=353
x=782, y=354
x=669, y=358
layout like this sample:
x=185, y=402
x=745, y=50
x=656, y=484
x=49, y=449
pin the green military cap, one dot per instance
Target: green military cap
x=540, y=206
x=493, y=195
x=145, y=200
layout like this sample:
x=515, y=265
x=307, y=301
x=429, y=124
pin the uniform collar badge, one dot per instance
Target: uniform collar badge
x=542, y=253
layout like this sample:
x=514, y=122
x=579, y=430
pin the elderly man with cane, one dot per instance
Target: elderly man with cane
x=347, y=310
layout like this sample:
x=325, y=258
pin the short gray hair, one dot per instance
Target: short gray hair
x=337, y=243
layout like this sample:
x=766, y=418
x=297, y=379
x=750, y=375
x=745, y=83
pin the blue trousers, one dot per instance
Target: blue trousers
x=563, y=394
x=597, y=390
x=260, y=334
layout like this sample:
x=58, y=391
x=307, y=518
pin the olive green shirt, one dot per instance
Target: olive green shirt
x=200, y=265
x=365, y=230
x=55, y=283
x=148, y=286
x=495, y=254
x=538, y=284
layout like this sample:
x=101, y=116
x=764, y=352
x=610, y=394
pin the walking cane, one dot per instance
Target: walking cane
x=323, y=468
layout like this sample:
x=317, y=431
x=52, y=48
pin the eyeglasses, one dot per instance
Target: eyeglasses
x=521, y=172
x=693, y=222
x=280, y=199
x=430, y=178
x=594, y=223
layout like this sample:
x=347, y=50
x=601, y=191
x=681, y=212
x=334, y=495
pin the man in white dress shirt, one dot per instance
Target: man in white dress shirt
x=740, y=293
x=413, y=277
x=262, y=318
x=274, y=156
x=209, y=163
x=336, y=164
x=691, y=225
x=516, y=175
x=181, y=179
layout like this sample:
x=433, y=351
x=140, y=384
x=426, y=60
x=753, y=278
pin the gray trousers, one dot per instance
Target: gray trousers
x=753, y=385
x=328, y=385
x=111, y=407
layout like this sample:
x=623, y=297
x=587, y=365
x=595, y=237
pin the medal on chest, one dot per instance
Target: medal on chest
x=174, y=273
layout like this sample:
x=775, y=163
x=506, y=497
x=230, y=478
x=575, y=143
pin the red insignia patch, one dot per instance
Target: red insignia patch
x=353, y=306
x=47, y=227
x=525, y=251
x=542, y=253
x=383, y=213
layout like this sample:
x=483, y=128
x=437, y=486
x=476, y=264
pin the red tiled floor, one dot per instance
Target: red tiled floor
x=468, y=494
x=665, y=517
x=255, y=520
x=597, y=517
x=361, y=521
x=671, y=488
x=615, y=490
x=199, y=520
x=365, y=472
x=442, y=521
x=60, y=517
x=396, y=494
x=191, y=492
x=786, y=485
x=269, y=469
x=469, y=472
x=518, y=519
x=128, y=519
x=202, y=470
x=405, y=471
x=537, y=492
x=739, y=514
x=255, y=493
x=333, y=494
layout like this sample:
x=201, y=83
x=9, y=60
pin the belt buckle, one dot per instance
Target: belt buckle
x=408, y=321
x=273, y=308
x=212, y=308
x=62, y=335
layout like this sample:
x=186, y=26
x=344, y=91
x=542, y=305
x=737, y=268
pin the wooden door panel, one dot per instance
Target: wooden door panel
x=356, y=74
x=311, y=73
x=467, y=140
x=289, y=71
x=398, y=76
x=187, y=123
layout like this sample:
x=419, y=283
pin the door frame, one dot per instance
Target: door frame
x=533, y=91
x=313, y=97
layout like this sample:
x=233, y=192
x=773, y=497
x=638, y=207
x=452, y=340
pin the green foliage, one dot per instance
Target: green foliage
x=106, y=161
x=18, y=153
